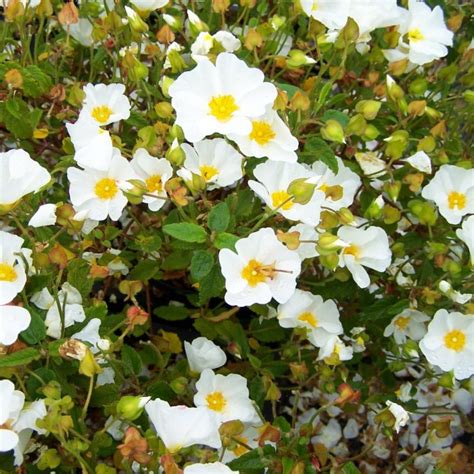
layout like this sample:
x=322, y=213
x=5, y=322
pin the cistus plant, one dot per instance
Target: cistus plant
x=236, y=236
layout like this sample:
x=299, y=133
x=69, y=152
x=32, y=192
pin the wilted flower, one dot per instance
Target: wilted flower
x=262, y=268
x=401, y=415
x=203, y=354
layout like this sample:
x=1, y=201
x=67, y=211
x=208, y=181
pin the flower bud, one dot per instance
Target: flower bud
x=468, y=96
x=301, y=191
x=418, y=86
x=394, y=91
x=417, y=108
x=297, y=58
x=135, y=21
x=391, y=214
x=356, y=125
x=196, y=24
x=345, y=216
x=165, y=83
x=14, y=79
x=397, y=144
x=299, y=101
x=130, y=407
x=164, y=110
x=371, y=132
x=328, y=220
x=329, y=261
x=333, y=131
x=175, y=154
x=173, y=21
x=253, y=39
x=69, y=14
x=368, y=108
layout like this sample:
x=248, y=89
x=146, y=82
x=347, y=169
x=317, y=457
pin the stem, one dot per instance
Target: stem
x=88, y=399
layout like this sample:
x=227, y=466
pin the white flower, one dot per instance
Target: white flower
x=154, y=172
x=260, y=268
x=202, y=354
x=10, y=408
x=227, y=40
x=70, y=299
x=452, y=189
x=364, y=248
x=205, y=42
x=217, y=162
x=466, y=234
x=13, y=320
x=308, y=239
x=426, y=33
x=100, y=191
x=320, y=318
x=458, y=297
x=409, y=323
x=12, y=271
x=274, y=178
x=420, y=161
x=371, y=164
x=351, y=430
x=81, y=31
x=330, y=435
x=227, y=396
x=90, y=334
x=210, y=100
x=180, y=426
x=347, y=180
x=269, y=137
x=449, y=343
x=333, y=346
x=93, y=145
x=331, y=13
x=213, y=468
x=105, y=104
x=19, y=176
x=149, y=5
x=44, y=216
x=401, y=415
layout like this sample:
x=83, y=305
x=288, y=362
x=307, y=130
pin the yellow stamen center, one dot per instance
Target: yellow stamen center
x=352, y=250
x=456, y=200
x=106, y=188
x=455, y=340
x=255, y=272
x=281, y=199
x=216, y=401
x=402, y=322
x=222, y=107
x=262, y=132
x=101, y=113
x=415, y=35
x=154, y=184
x=7, y=272
x=310, y=318
x=208, y=172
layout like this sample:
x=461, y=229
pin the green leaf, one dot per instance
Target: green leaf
x=211, y=285
x=186, y=232
x=36, y=331
x=145, y=270
x=201, y=264
x=35, y=81
x=267, y=331
x=171, y=313
x=350, y=468
x=341, y=117
x=105, y=395
x=161, y=390
x=219, y=217
x=255, y=459
x=22, y=357
x=321, y=151
x=225, y=241
x=78, y=277
x=18, y=118
x=131, y=359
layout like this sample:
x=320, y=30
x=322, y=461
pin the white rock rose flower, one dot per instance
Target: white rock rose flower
x=401, y=415
x=180, y=426
x=212, y=468
x=466, y=234
x=452, y=189
x=202, y=354
x=410, y=324
x=19, y=176
x=261, y=268
x=149, y=5
x=13, y=320
x=308, y=238
x=209, y=100
x=105, y=104
x=364, y=248
x=226, y=396
x=449, y=343
x=215, y=161
x=12, y=270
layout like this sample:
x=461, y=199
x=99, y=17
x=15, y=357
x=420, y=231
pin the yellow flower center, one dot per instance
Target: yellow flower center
x=281, y=199
x=208, y=172
x=262, y=132
x=402, y=322
x=222, y=107
x=415, y=35
x=106, y=188
x=352, y=250
x=7, y=272
x=216, y=401
x=455, y=340
x=101, y=113
x=456, y=200
x=310, y=318
x=255, y=272
x=154, y=184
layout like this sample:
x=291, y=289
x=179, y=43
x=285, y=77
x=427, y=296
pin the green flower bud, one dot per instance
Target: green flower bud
x=297, y=58
x=179, y=385
x=393, y=189
x=356, y=125
x=165, y=83
x=368, y=108
x=175, y=154
x=130, y=407
x=397, y=144
x=371, y=132
x=468, y=96
x=301, y=190
x=418, y=86
x=135, y=21
x=333, y=131
x=447, y=380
